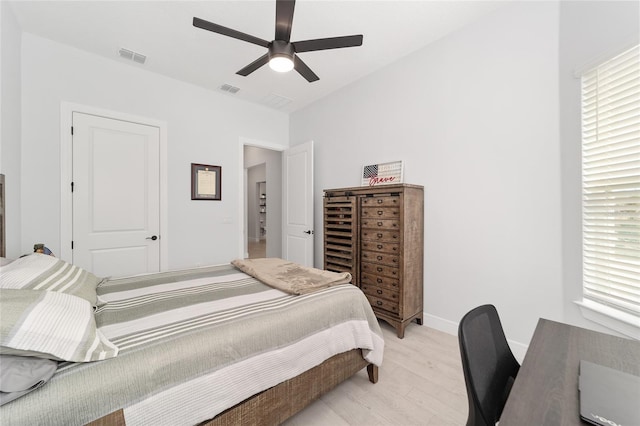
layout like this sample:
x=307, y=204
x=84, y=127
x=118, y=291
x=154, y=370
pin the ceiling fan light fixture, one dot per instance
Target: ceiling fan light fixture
x=281, y=56
x=281, y=63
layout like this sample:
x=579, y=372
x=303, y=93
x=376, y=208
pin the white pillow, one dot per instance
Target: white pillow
x=43, y=272
x=53, y=325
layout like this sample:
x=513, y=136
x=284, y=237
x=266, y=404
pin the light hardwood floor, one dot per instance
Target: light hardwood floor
x=257, y=249
x=420, y=383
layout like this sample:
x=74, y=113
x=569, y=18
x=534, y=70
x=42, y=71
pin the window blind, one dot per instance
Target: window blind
x=611, y=182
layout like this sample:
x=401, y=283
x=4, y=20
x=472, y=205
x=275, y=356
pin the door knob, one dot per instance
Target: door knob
x=309, y=231
x=152, y=238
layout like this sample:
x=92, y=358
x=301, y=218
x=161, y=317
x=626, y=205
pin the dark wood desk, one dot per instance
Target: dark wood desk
x=546, y=389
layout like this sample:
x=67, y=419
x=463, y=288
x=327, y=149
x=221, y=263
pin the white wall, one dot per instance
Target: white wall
x=474, y=117
x=589, y=33
x=203, y=127
x=10, y=158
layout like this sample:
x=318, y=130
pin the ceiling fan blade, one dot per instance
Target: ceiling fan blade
x=210, y=26
x=254, y=65
x=328, y=43
x=284, y=19
x=304, y=70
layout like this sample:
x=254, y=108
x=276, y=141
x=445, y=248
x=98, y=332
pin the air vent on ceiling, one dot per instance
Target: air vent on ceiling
x=229, y=88
x=276, y=101
x=131, y=55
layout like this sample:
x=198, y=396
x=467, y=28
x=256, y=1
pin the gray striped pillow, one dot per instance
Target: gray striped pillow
x=49, y=324
x=43, y=272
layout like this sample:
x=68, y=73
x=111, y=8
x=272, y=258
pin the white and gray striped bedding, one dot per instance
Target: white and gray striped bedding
x=194, y=343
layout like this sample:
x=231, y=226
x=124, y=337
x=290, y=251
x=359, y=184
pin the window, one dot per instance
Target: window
x=611, y=186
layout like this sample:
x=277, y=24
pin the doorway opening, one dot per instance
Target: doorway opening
x=263, y=201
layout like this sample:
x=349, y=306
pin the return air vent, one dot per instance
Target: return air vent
x=131, y=55
x=229, y=88
x=276, y=101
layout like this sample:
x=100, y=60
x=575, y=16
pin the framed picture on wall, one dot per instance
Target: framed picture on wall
x=206, y=182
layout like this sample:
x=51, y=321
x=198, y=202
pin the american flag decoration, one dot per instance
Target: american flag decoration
x=370, y=171
x=382, y=174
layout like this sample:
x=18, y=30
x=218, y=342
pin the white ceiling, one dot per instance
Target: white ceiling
x=163, y=31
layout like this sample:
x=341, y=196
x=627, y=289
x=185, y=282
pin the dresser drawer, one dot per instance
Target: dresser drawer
x=380, y=235
x=375, y=223
x=380, y=281
x=386, y=305
x=379, y=213
x=375, y=269
x=384, y=201
x=380, y=292
x=380, y=257
x=380, y=246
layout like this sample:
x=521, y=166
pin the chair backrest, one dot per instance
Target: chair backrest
x=488, y=364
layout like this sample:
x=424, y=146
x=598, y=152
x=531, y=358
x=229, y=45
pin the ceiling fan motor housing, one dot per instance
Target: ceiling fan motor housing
x=281, y=48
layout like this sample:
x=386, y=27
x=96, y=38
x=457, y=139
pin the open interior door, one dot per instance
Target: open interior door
x=297, y=179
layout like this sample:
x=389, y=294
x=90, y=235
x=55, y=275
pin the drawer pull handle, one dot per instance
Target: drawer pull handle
x=379, y=269
x=380, y=201
x=379, y=291
x=379, y=303
x=379, y=246
x=379, y=280
x=380, y=212
x=379, y=223
x=379, y=257
x=380, y=235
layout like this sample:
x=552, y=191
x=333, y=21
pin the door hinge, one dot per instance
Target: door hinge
x=72, y=186
x=71, y=130
x=71, y=244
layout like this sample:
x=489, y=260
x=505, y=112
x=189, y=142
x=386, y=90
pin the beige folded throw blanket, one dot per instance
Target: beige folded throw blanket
x=290, y=277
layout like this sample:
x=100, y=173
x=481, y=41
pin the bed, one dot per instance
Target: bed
x=208, y=345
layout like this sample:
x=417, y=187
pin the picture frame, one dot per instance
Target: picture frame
x=206, y=182
x=382, y=174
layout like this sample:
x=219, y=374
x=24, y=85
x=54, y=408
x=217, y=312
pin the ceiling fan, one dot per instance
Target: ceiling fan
x=282, y=54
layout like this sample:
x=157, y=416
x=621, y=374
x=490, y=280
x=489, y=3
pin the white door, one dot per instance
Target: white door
x=297, y=177
x=116, y=196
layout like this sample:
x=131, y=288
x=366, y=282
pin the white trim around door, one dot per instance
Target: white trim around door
x=66, y=154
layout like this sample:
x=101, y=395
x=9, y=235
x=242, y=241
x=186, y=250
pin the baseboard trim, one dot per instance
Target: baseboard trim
x=451, y=327
x=441, y=324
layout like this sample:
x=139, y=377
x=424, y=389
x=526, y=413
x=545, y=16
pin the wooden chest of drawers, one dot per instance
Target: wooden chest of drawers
x=377, y=234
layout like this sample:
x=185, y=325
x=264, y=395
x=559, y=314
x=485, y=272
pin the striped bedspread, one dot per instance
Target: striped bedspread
x=194, y=343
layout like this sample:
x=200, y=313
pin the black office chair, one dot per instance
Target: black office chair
x=488, y=364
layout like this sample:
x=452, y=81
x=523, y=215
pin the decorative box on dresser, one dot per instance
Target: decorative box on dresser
x=377, y=234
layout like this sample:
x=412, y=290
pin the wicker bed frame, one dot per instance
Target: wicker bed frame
x=282, y=401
